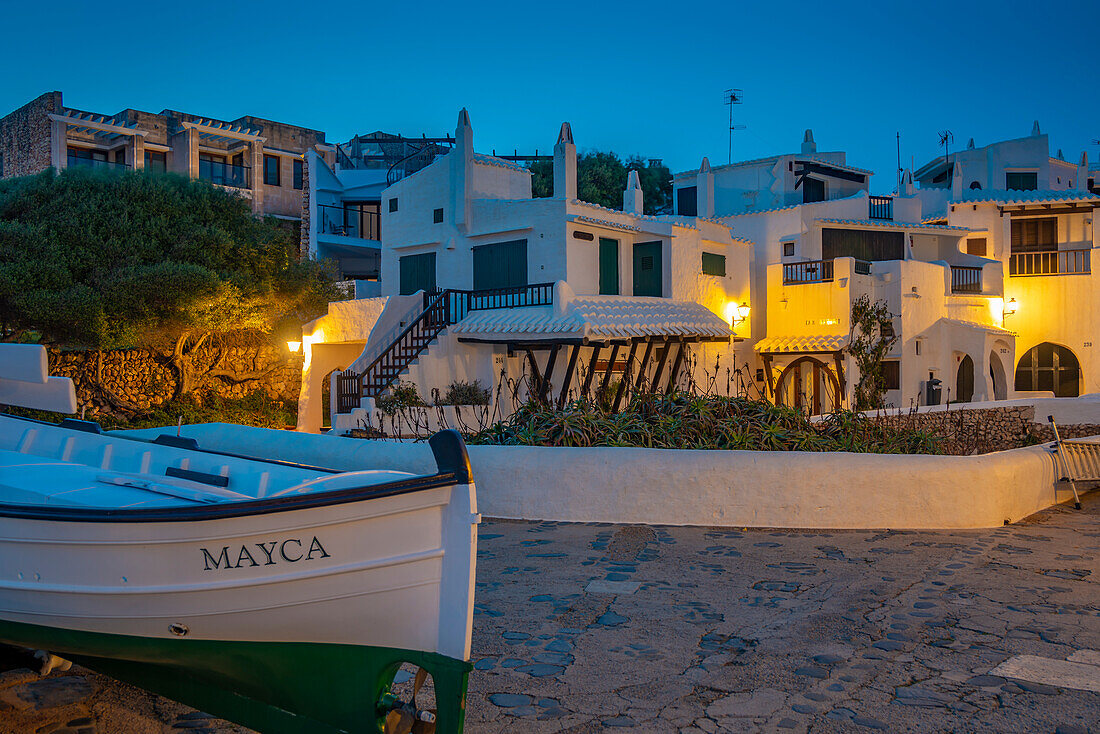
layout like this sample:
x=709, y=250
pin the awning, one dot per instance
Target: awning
x=811, y=344
x=589, y=319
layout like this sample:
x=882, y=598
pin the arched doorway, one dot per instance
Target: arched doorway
x=1051, y=367
x=997, y=375
x=810, y=386
x=964, y=381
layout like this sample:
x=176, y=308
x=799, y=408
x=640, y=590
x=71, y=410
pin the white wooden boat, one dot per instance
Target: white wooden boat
x=277, y=595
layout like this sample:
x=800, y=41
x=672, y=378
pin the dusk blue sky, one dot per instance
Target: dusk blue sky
x=637, y=78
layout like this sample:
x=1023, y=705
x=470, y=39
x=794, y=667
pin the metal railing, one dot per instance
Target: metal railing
x=461, y=302
x=73, y=161
x=225, y=174
x=347, y=221
x=966, y=279
x=861, y=267
x=1052, y=262
x=810, y=271
x=880, y=207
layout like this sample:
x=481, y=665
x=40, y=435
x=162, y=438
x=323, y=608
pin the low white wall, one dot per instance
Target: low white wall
x=1066, y=411
x=723, y=488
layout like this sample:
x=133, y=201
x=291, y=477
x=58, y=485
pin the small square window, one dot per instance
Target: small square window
x=714, y=264
x=891, y=373
x=299, y=176
x=437, y=215
x=271, y=170
x=788, y=249
x=976, y=246
x=393, y=204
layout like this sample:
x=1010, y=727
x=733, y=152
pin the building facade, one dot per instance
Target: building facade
x=262, y=160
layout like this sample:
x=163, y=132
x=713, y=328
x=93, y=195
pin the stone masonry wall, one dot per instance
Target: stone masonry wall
x=25, y=136
x=142, y=379
x=985, y=430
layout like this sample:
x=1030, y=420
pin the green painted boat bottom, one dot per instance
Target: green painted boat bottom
x=272, y=687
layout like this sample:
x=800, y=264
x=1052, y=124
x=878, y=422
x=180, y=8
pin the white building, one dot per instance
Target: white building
x=556, y=295
x=1038, y=220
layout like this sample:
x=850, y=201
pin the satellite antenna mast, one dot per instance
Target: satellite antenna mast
x=899, y=161
x=731, y=97
x=946, y=139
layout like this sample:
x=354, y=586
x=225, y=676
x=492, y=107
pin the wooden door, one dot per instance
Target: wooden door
x=609, y=267
x=648, y=269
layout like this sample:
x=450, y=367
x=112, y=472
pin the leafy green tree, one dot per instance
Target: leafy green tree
x=101, y=260
x=601, y=179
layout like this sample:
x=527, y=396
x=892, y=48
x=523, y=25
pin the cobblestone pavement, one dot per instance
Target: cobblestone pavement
x=585, y=628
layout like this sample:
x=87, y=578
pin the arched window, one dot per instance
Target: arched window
x=1051, y=367
x=975, y=185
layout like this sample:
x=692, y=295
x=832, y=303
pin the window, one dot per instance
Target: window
x=271, y=170
x=916, y=348
x=120, y=156
x=437, y=216
x=862, y=244
x=812, y=190
x=299, y=174
x=156, y=161
x=976, y=246
x=393, y=204
x=1049, y=367
x=500, y=265
x=714, y=264
x=687, y=201
x=788, y=249
x=1021, y=180
x=891, y=373
x=1035, y=235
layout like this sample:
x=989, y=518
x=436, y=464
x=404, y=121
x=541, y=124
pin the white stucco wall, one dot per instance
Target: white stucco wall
x=720, y=488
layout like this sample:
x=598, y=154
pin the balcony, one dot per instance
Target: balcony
x=225, y=174
x=1052, y=262
x=880, y=207
x=966, y=279
x=345, y=221
x=74, y=161
x=818, y=271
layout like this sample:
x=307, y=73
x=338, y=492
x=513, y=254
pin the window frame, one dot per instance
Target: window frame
x=391, y=204
x=717, y=265
x=298, y=174
x=276, y=170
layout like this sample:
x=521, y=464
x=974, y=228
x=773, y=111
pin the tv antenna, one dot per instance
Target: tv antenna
x=946, y=139
x=730, y=97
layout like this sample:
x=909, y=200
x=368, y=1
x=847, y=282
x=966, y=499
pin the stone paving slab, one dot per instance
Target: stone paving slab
x=731, y=630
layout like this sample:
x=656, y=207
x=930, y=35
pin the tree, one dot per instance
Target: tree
x=870, y=339
x=601, y=179
x=101, y=260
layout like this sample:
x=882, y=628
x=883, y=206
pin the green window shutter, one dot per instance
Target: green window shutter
x=714, y=264
x=648, y=269
x=500, y=265
x=609, y=267
x=417, y=273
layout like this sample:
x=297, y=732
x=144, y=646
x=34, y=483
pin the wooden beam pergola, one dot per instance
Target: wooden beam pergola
x=596, y=349
x=681, y=347
x=570, y=367
x=626, y=375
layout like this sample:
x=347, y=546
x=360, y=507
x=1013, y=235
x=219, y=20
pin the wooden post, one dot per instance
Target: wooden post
x=838, y=357
x=661, y=365
x=645, y=363
x=681, y=347
x=596, y=348
x=569, y=369
x=535, y=374
x=610, y=365
x=767, y=358
x=626, y=374
x=544, y=390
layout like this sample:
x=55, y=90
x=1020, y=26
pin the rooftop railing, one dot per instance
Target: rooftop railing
x=880, y=207
x=1052, y=262
x=810, y=271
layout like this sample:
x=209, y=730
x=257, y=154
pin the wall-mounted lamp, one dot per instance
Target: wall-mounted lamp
x=743, y=311
x=1009, y=308
x=736, y=314
x=294, y=347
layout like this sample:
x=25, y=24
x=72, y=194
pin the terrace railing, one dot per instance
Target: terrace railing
x=880, y=207
x=966, y=279
x=810, y=271
x=347, y=221
x=73, y=161
x=1052, y=262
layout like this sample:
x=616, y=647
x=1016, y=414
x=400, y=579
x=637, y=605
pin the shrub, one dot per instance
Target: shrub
x=401, y=396
x=466, y=393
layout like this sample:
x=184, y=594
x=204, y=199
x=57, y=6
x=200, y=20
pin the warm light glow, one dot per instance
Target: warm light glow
x=743, y=311
x=735, y=314
x=293, y=347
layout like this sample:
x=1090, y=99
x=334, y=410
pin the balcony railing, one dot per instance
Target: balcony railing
x=225, y=174
x=811, y=271
x=880, y=207
x=1053, y=262
x=349, y=222
x=966, y=279
x=73, y=161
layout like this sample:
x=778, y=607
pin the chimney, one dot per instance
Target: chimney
x=970, y=144
x=1035, y=129
x=956, y=181
x=462, y=170
x=808, y=144
x=565, y=165
x=632, y=197
x=1082, y=172
x=704, y=188
x=907, y=183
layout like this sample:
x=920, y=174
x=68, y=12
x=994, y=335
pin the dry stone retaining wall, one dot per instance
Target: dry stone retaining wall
x=144, y=379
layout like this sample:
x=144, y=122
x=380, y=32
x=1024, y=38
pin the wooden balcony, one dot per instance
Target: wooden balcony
x=966, y=279
x=1051, y=262
x=811, y=271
